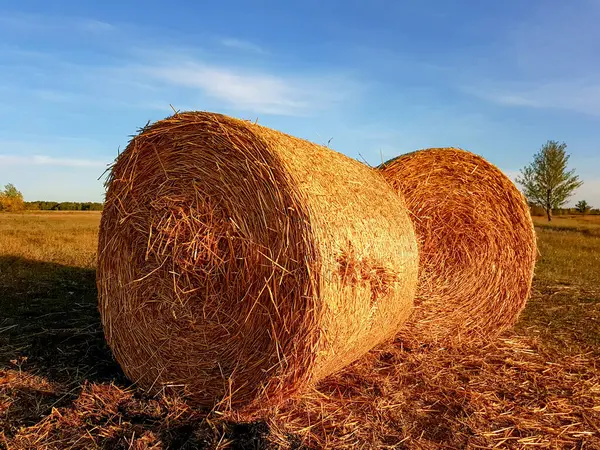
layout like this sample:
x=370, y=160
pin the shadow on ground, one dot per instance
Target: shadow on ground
x=53, y=355
x=51, y=339
x=50, y=325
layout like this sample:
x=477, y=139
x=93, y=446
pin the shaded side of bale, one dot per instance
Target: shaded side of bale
x=477, y=244
x=238, y=265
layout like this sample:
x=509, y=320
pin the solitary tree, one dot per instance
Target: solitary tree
x=582, y=206
x=11, y=199
x=546, y=181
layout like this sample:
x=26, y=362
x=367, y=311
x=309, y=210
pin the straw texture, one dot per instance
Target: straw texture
x=239, y=265
x=477, y=244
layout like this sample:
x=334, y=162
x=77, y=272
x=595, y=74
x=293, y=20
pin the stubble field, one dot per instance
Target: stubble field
x=538, y=385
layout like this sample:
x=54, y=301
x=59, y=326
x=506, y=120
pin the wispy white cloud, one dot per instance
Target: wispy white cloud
x=240, y=44
x=560, y=41
x=42, y=160
x=95, y=26
x=255, y=91
x=181, y=77
x=33, y=22
x=547, y=60
x=49, y=95
x=582, y=96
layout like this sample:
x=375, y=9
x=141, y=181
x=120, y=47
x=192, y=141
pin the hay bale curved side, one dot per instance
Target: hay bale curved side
x=239, y=265
x=477, y=244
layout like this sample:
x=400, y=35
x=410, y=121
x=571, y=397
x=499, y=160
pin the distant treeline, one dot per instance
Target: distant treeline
x=64, y=206
x=95, y=206
x=539, y=211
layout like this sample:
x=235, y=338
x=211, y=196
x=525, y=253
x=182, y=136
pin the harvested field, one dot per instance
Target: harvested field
x=536, y=386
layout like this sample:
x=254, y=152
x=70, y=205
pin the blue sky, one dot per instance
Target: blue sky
x=378, y=78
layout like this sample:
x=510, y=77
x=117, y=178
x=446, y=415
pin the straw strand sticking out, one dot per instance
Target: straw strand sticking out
x=238, y=265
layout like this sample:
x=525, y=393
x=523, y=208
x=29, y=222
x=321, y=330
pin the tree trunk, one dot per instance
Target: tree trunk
x=548, y=206
x=549, y=214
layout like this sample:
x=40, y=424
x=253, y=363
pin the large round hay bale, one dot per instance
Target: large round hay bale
x=239, y=265
x=477, y=244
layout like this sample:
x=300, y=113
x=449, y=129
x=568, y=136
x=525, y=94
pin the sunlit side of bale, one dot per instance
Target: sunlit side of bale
x=239, y=265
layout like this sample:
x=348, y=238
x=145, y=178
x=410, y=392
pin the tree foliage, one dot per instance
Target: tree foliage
x=11, y=199
x=64, y=206
x=582, y=206
x=546, y=181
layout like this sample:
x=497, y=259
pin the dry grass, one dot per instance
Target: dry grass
x=67, y=238
x=538, y=386
x=588, y=225
x=239, y=265
x=564, y=309
x=477, y=245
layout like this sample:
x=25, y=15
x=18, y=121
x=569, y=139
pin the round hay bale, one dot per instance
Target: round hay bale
x=238, y=265
x=477, y=244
